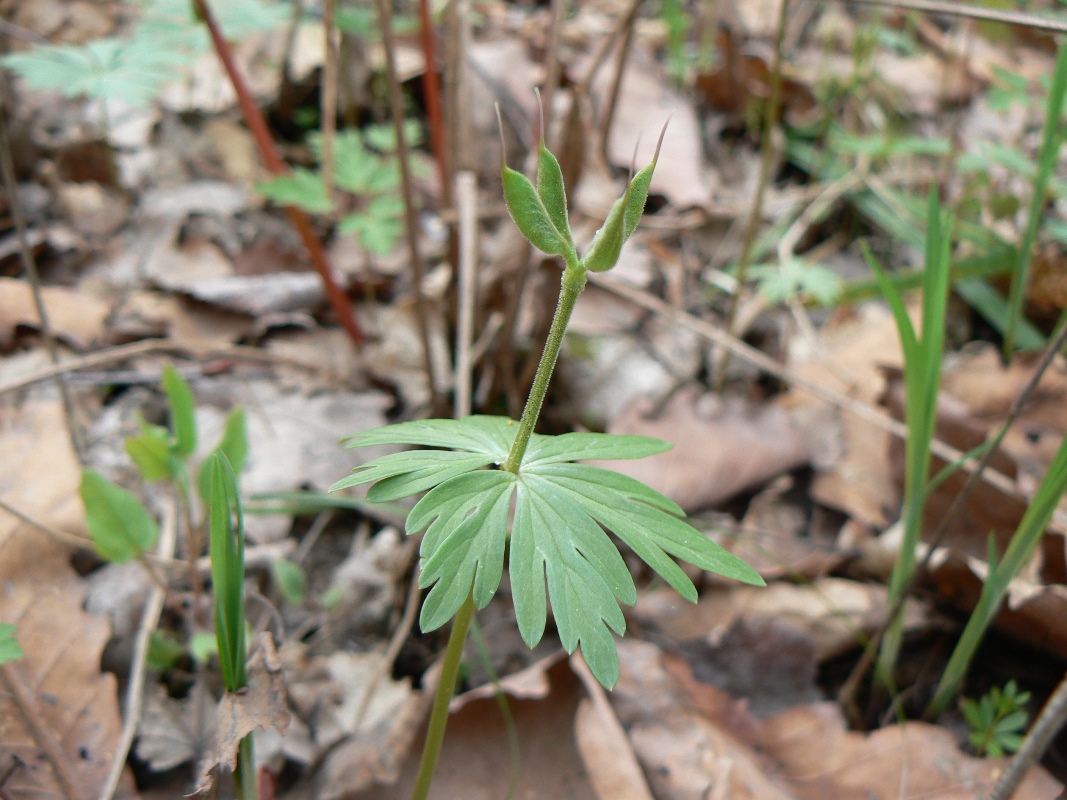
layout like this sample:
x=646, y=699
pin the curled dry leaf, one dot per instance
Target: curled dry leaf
x=260, y=706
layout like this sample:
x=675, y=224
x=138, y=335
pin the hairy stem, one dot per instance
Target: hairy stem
x=574, y=278
x=435, y=734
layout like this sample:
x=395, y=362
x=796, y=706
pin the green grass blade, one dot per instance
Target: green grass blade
x=1051, y=139
x=227, y=572
x=1023, y=543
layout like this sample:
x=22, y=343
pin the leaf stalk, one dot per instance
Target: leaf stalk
x=574, y=279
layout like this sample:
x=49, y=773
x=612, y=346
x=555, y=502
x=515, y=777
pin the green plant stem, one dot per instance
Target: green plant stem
x=574, y=278
x=435, y=733
x=245, y=774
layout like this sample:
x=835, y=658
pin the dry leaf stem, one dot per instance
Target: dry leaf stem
x=770, y=120
x=328, y=100
x=135, y=688
x=336, y=297
x=974, y=12
x=411, y=226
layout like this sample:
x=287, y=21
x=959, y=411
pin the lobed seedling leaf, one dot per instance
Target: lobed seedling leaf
x=560, y=551
x=120, y=526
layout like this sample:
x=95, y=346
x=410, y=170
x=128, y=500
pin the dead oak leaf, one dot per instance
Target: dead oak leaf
x=260, y=706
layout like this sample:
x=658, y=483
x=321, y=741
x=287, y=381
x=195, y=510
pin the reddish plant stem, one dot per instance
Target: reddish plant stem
x=431, y=88
x=336, y=297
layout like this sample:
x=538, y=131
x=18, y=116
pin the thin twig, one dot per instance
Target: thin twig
x=431, y=89
x=336, y=297
x=29, y=263
x=608, y=117
x=466, y=204
x=785, y=374
x=396, y=106
x=24, y=700
x=973, y=12
x=135, y=689
x=328, y=100
x=145, y=347
x=1039, y=737
x=755, y=217
x=548, y=91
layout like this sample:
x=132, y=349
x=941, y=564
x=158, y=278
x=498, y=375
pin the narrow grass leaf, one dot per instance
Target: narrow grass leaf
x=121, y=528
x=9, y=645
x=1019, y=551
x=233, y=444
x=1051, y=140
x=227, y=572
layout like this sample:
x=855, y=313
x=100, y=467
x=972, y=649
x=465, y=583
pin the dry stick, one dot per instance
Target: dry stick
x=135, y=689
x=25, y=702
x=385, y=23
x=29, y=263
x=328, y=99
x=770, y=120
x=123, y=352
x=467, y=206
x=847, y=693
x=974, y=12
x=785, y=374
x=336, y=297
x=1045, y=728
x=552, y=67
x=616, y=88
x=432, y=91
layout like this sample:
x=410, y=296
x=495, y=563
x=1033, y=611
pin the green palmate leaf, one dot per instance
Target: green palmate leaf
x=301, y=188
x=478, y=434
x=182, y=411
x=464, y=546
x=121, y=528
x=228, y=572
x=560, y=551
x=9, y=645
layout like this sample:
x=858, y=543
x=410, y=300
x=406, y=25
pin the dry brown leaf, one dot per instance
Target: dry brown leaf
x=606, y=752
x=717, y=453
x=260, y=706
x=75, y=316
x=58, y=712
x=475, y=760
x=696, y=741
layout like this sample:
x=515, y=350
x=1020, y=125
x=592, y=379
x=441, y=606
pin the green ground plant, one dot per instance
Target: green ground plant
x=367, y=169
x=228, y=576
x=997, y=720
x=132, y=68
x=481, y=468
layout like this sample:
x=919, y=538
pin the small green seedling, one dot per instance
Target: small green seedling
x=9, y=645
x=486, y=472
x=121, y=527
x=997, y=720
x=367, y=169
x=228, y=576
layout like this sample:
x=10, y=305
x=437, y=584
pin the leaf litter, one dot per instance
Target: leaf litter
x=162, y=237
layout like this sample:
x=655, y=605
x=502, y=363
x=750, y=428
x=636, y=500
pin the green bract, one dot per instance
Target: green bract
x=561, y=511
